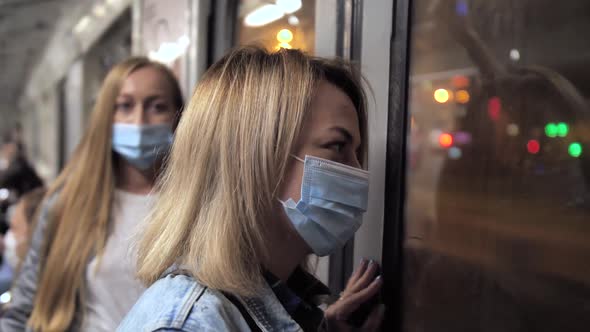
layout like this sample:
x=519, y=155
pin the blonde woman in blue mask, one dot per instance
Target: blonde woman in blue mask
x=78, y=274
x=266, y=168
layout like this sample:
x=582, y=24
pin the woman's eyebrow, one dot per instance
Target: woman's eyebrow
x=343, y=131
x=149, y=97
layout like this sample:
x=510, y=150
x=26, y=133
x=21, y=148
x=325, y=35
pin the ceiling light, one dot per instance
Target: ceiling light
x=82, y=24
x=168, y=52
x=289, y=6
x=99, y=10
x=263, y=15
x=293, y=20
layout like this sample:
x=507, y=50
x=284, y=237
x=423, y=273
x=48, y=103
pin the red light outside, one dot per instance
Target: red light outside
x=494, y=108
x=533, y=146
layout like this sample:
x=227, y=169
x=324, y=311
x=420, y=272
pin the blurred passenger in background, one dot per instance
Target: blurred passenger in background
x=16, y=240
x=17, y=176
x=78, y=274
x=266, y=169
x=16, y=173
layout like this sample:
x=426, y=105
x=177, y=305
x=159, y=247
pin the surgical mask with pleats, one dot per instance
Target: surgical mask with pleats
x=333, y=199
x=142, y=145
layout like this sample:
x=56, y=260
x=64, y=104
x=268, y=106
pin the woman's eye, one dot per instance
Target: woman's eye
x=123, y=106
x=336, y=146
x=160, y=108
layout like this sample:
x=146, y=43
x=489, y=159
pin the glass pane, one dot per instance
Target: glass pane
x=277, y=24
x=498, y=203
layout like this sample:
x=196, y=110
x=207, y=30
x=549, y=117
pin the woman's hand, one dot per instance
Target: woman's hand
x=362, y=286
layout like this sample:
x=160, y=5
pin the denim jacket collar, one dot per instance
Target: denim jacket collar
x=268, y=312
x=292, y=301
x=178, y=301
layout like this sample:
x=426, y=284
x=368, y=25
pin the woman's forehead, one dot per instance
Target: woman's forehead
x=332, y=107
x=145, y=80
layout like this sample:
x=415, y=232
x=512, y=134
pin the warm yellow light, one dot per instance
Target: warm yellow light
x=285, y=36
x=460, y=81
x=283, y=45
x=512, y=129
x=441, y=95
x=462, y=97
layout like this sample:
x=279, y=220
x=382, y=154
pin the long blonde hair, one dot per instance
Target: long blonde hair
x=229, y=156
x=78, y=223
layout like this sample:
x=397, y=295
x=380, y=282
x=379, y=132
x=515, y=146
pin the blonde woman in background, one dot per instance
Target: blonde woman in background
x=265, y=170
x=78, y=274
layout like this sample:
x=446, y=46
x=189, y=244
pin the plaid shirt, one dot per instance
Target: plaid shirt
x=300, y=296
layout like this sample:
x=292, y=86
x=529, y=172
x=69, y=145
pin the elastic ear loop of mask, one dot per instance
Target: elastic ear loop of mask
x=298, y=159
x=301, y=160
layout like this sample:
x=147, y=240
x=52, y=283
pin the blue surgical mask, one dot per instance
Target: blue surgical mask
x=333, y=199
x=141, y=145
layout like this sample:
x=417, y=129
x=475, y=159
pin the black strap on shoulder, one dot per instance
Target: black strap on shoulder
x=249, y=320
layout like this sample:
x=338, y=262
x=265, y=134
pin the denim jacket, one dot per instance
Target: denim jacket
x=180, y=303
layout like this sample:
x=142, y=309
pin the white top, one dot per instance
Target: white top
x=113, y=289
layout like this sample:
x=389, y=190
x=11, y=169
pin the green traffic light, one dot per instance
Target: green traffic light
x=575, y=150
x=562, y=129
x=551, y=129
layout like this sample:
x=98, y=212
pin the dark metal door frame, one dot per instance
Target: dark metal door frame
x=395, y=177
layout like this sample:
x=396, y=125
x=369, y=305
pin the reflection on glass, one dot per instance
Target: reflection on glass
x=498, y=207
x=277, y=24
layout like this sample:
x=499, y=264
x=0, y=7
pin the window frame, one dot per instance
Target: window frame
x=396, y=158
